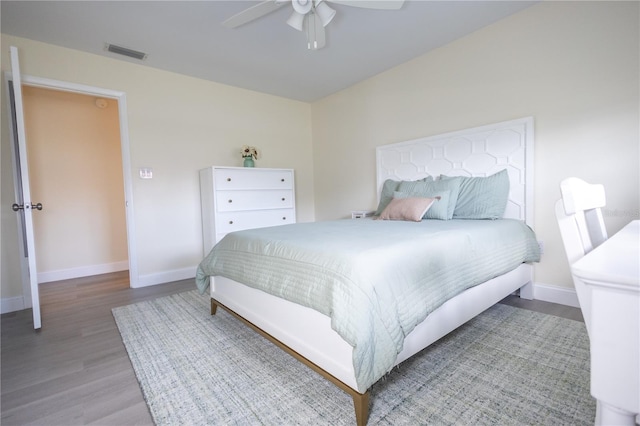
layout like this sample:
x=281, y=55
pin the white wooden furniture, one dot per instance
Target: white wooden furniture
x=307, y=334
x=612, y=273
x=237, y=198
x=605, y=273
x=581, y=228
x=361, y=214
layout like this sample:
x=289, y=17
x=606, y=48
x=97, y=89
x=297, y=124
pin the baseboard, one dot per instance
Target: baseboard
x=166, y=277
x=83, y=271
x=555, y=294
x=11, y=304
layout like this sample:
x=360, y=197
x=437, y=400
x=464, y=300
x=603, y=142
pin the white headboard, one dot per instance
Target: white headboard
x=481, y=151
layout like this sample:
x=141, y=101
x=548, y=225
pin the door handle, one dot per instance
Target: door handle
x=15, y=207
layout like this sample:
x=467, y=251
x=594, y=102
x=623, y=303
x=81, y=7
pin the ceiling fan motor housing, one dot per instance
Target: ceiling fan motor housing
x=302, y=6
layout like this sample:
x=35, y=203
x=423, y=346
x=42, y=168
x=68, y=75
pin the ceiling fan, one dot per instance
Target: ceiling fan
x=310, y=16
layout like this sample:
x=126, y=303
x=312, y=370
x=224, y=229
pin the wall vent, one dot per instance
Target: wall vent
x=126, y=52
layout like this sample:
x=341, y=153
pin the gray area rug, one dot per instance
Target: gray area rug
x=508, y=366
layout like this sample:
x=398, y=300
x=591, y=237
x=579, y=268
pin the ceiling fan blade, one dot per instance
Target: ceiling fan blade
x=254, y=12
x=371, y=4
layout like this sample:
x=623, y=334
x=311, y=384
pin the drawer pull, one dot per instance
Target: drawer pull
x=228, y=179
x=282, y=198
x=230, y=222
x=284, y=218
x=282, y=180
x=231, y=201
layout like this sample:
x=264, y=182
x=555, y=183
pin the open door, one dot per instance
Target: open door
x=23, y=204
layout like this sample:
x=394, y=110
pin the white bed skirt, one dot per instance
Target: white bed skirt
x=309, y=332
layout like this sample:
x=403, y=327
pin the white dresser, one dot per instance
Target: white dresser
x=237, y=198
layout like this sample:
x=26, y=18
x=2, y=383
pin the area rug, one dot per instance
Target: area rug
x=508, y=366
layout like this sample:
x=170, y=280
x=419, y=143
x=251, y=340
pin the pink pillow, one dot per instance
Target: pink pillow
x=410, y=209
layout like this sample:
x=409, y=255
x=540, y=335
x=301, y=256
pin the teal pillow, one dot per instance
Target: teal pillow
x=388, y=187
x=482, y=197
x=438, y=210
x=423, y=189
x=386, y=195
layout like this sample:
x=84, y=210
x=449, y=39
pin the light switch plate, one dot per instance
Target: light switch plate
x=146, y=173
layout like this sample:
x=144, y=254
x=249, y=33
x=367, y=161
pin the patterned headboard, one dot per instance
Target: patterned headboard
x=481, y=151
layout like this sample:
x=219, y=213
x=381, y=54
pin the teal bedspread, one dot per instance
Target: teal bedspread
x=375, y=279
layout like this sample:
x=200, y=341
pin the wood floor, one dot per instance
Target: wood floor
x=76, y=371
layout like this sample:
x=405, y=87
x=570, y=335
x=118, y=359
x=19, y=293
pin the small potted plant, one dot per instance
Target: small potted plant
x=249, y=153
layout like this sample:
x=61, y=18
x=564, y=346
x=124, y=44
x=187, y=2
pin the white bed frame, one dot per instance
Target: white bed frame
x=307, y=334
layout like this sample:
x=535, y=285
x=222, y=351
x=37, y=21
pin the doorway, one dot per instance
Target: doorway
x=120, y=99
x=76, y=172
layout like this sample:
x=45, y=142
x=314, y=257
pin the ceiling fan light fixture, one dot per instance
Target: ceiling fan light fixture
x=296, y=20
x=325, y=13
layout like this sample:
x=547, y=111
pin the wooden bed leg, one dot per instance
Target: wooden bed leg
x=213, y=307
x=361, y=404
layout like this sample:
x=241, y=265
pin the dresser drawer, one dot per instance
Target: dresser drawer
x=227, y=201
x=248, y=178
x=238, y=221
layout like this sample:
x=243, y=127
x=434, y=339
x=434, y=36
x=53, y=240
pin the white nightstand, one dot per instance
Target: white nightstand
x=361, y=214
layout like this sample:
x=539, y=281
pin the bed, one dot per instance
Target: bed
x=344, y=307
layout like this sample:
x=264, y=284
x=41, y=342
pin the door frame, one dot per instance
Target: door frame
x=121, y=98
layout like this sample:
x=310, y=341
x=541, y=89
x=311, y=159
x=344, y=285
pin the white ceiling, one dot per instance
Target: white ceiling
x=265, y=55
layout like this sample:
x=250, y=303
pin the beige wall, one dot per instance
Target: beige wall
x=75, y=171
x=573, y=66
x=177, y=125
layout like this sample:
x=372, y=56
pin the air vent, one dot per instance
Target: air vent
x=126, y=52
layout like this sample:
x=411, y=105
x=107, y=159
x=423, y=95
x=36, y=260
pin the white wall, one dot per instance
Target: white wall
x=573, y=66
x=177, y=125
